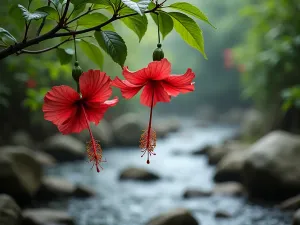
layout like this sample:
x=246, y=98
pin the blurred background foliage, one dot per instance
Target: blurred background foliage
x=271, y=55
x=261, y=49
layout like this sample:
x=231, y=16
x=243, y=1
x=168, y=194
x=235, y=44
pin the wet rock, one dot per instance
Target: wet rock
x=44, y=159
x=10, y=212
x=166, y=126
x=202, y=150
x=83, y=192
x=174, y=217
x=22, y=138
x=231, y=166
x=128, y=129
x=222, y=214
x=271, y=170
x=102, y=132
x=252, y=123
x=55, y=187
x=20, y=173
x=64, y=148
x=216, y=154
x=194, y=193
x=229, y=189
x=291, y=203
x=138, y=174
x=296, y=219
x=43, y=216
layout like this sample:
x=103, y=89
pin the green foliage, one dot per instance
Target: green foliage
x=164, y=21
x=271, y=52
x=65, y=55
x=6, y=37
x=138, y=24
x=291, y=97
x=94, y=19
x=28, y=16
x=113, y=44
x=139, y=7
x=93, y=52
x=191, y=10
x=189, y=31
x=52, y=14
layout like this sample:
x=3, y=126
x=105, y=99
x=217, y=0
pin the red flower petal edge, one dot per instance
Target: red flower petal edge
x=72, y=112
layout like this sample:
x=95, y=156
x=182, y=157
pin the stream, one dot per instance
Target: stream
x=134, y=202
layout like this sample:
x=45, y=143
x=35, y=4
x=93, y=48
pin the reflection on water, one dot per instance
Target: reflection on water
x=134, y=203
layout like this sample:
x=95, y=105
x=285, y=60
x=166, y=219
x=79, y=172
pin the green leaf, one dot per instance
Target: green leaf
x=113, y=44
x=165, y=23
x=28, y=16
x=16, y=16
x=4, y=35
x=78, y=9
x=188, y=29
x=94, y=19
x=55, y=2
x=52, y=14
x=192, y=10
x=138, y=24
x=65, y=55
x=78, y=2
x=93, y=52
x=139, y=7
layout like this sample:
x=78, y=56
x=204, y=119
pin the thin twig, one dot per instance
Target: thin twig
x=42, y=24
x=26, y=30
x=43, y=50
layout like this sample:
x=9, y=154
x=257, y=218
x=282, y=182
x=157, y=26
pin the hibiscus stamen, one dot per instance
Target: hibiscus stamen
x=93, y=147
x=148, y=138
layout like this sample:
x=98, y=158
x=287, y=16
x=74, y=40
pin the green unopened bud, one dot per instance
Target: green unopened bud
x=158, y=53
x=76, y=71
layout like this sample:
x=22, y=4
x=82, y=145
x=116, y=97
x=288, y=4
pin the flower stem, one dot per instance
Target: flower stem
x=158, y=28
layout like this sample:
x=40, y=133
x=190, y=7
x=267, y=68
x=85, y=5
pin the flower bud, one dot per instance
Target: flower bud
x=158, y=53
x=76, y=71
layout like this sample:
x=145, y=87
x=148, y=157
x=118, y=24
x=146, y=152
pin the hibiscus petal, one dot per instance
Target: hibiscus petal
x=75, y=123
x=128, y=89
x=174, y=85
x=95, y=111
x=95, y=86
x=155, y=92
x=138, y=77
x=158, y=70
x=59, y=104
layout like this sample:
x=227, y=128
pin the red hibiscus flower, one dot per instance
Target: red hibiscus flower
x=72, y=112
x=159, y=86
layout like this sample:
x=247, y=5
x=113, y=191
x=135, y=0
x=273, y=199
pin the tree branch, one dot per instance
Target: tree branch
x=18, y=47
x=43, y=50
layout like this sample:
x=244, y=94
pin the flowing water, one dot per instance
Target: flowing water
x=134, y=203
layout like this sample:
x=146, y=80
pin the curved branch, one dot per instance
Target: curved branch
x=43, y=50
x=18, y=47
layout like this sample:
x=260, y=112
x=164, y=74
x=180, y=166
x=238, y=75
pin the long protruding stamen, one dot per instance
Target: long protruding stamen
x=149, y=127
x=148, y=138
x=93, y=144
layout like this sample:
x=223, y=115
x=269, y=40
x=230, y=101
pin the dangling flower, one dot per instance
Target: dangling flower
x=72, y=112
x=159, y=86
